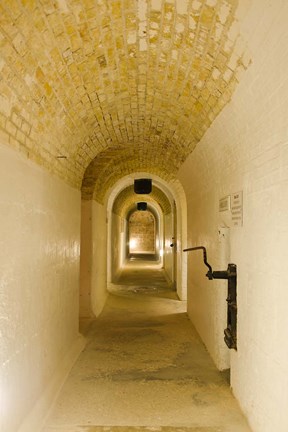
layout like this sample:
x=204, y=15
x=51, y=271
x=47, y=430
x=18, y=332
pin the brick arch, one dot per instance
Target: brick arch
x=176, y=195
x=112, y=164
x=127, y=200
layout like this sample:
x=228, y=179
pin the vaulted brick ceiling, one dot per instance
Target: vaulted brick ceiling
x=97, y=89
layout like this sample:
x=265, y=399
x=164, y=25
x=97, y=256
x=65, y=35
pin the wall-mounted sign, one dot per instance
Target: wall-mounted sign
x=237, y=209
x=224, y=204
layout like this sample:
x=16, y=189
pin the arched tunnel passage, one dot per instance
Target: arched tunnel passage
x=104, y=237
x=143, y=355
x=142, y=235
x=183, y=89
x=142, y=336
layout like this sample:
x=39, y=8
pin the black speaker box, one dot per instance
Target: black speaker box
x=142, y=206
x=142, y=186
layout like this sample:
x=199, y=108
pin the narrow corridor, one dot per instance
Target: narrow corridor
x=144, y=368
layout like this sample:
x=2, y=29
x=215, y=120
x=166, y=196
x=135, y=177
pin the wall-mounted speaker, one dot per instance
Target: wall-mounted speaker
x=142, y=186
x=142, y=206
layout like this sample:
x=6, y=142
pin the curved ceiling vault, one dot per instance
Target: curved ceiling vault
x=127, y=199
x=97, y=89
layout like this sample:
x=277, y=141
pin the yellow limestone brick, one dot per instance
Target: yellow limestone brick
x=118, y=86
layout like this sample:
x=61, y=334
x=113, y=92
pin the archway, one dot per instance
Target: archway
x=177, y=221
x=99, y=242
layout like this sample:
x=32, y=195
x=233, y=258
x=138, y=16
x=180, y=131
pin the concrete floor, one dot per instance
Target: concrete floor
x=145, y=369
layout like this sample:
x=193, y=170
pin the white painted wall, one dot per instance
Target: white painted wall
x=39, y=277
x=247, y=149
x=99, y=261
x=116, y=245
x=168, y=250
x=93, y=273
x=86, y=260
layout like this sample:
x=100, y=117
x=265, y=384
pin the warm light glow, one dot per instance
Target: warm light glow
x=133, y=243
x=161, y=252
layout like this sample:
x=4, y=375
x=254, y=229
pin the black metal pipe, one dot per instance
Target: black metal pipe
x=231, y=275
x=222, y=274
x=209, y=274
